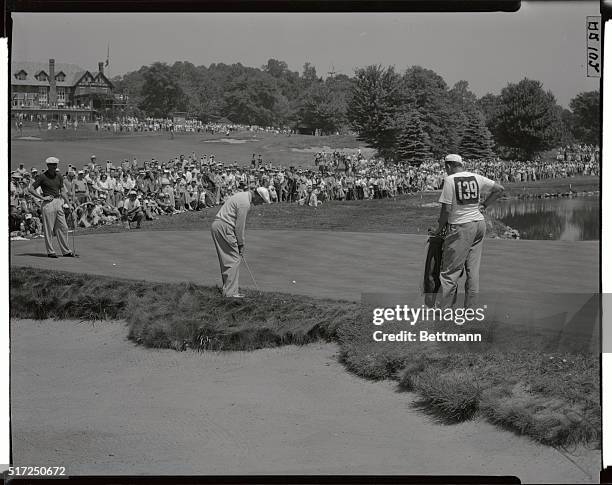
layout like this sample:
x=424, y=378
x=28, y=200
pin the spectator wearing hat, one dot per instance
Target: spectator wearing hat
x=15, y=188
x=80, y=189
x=461, y=217
x=228, y=233
x=192, y=196
x=132, y=210
x=68, y=183
x=31, y=226
x=54, y=201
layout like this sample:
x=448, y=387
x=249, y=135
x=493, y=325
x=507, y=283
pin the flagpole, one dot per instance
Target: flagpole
x=108, y=57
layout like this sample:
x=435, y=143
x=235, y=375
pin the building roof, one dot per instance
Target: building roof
x=72, y=71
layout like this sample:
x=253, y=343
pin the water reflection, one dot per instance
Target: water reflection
x=565, y=219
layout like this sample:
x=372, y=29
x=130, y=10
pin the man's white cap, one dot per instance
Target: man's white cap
x=80, y=171
x=28, y=216
x=454, y=158
x=52, y=160
x=264, y=194
x=93, y=156
x=132, y=192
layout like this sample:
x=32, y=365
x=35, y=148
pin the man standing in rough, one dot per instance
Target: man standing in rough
x=462, y=211
x=54, y=201
x=228, y=235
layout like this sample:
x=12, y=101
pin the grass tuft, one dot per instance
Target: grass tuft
x=455, y=394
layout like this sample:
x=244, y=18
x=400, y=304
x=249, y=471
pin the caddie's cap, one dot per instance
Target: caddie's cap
x=454, y=158
x=264, y=194
x=52, y=161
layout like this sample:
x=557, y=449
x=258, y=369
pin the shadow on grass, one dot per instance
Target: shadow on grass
x=35, y=255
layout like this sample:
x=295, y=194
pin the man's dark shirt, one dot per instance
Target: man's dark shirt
x=50, y=185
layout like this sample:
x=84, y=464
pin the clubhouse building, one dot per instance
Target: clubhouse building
x=60, y=92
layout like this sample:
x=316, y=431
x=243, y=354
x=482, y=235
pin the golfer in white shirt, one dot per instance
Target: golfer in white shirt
x=228, y=235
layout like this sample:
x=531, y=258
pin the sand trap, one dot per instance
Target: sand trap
x=231, y=140
x=85, y=397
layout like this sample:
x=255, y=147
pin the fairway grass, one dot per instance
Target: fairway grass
x=77, y=147
x=516, y=380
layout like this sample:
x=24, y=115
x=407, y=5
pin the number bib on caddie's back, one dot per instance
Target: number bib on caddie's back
x=466, y=190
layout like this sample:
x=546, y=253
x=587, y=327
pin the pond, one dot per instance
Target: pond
x=564, y=219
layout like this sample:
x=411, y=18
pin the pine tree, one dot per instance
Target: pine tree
x=528, y=120
x=476, y=142
x=376, y=97
x=412, y=144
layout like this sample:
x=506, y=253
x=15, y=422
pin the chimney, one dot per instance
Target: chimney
x=101, y=67
x=52, y=86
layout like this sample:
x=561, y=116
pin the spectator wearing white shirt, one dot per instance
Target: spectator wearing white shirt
x=132, y=210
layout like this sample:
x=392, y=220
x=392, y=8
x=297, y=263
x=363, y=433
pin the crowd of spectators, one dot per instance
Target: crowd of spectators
x=131, y=124
x=131, y=192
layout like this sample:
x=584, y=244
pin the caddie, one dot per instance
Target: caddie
x=228, y=235
x=54, y=201
x=461, y=214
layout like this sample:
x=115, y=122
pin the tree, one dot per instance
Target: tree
x=412, y=141
x=161, y=92
x=489, y=105
x=130, y=85
x=476, y=142
x=463, y=105
x=252, y=99
x=375, y=101
x=429, y=92
x=309, y=74
x=585, y=124
x=322, y=108
x=528, y=121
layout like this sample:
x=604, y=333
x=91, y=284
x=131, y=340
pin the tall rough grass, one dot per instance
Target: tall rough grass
x=515, y=379
x=177, y=316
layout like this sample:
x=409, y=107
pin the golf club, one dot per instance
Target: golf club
x=74, y=226
x=250, y=272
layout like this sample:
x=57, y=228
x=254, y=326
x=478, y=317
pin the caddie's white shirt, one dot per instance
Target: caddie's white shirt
x=462, y=191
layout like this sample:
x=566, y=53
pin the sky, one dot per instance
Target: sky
x=543, y=41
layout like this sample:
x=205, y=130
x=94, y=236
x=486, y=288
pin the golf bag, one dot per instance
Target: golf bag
x=431, y=276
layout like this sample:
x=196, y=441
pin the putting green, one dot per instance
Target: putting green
x=324, y=264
